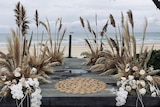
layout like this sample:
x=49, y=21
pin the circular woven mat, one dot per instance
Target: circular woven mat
x=80, y=85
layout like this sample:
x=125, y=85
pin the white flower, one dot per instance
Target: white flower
x=16, y=91
x=36, y=98
x=133, y=84
x=154, y=94
x=151, y=68
x=24, y=82
x=152, y=88
x=123, y=93
x=16, y=72
x=123, y=79
x=33, y=70
x=121, y=97
x=33, y=82
x=118, y=83
x=14, y=81
x=120, y=101
x=135, y=68
x=142, y=82
x=142, y=91
x=18, y=69
x=127, y=67
x=3, y=78
x=138, y=82
x=4, y=69
x=30, y=81
x=36, y=83
x=142, y=72
x=149, y=78
x=130, y=77
x=128, y=88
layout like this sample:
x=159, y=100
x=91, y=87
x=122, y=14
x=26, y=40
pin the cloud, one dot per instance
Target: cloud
x=71, y=10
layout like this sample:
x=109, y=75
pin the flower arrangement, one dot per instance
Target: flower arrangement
x=139, y=82
x=19, y=86
x=134, y=76
x=129, y=67
x=21, y=71
x=93, y=41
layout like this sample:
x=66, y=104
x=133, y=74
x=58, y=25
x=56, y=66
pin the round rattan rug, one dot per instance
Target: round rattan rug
x=80, y=85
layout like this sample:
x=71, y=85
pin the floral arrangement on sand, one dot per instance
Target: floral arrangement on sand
x=128, y=66
x=54, y=50
x=22, y=69
x=93, y=41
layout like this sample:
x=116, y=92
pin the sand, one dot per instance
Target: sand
x=76, y=50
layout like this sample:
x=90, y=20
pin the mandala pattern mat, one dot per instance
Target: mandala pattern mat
x=80, y=85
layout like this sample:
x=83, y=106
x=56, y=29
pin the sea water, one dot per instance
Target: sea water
x=78, y=38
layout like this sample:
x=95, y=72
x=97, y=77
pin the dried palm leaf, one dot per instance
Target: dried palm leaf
x=156, y=80
x=115, y=45
x=2, y=55
x=16, y=49
x=112, y=21
x=98, y=68
x=134, y=46
x=82, y=22
x=44, y=25
x=109, y=72
x=101, y=60
x=17, y=11
x=130, y=16
x=144, y=33
x=36, y=18
x=90, y=47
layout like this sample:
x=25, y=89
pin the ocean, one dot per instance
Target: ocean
x=78, y=38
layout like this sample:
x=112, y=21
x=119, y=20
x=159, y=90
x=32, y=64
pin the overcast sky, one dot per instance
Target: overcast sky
x=71, y=10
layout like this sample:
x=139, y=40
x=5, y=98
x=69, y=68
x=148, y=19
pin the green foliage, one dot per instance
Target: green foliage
x=155, y=59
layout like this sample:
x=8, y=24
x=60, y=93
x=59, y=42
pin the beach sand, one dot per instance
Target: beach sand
x=76, y=50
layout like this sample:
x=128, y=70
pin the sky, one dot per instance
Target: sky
x=71, y=10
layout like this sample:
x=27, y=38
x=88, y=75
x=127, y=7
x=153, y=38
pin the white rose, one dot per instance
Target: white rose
x=18, y=69
x=137, y=82
x=130, y=77
x=154, y=94
x=16, y=73
x=3, y=69
x=135, y=68
x=128, y=88
x=33, y=71
x=123, y=79
x=3, y=78
x=133, y=84
x=142, y=82
x=142, y=72
x=142, y=91
x=149, y=78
